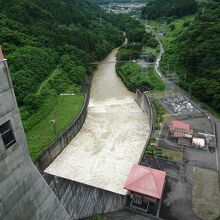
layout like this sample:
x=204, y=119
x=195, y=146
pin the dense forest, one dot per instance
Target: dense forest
x=50, y=45
x=169, y=8
x=195, y=55
x=199, y=53
x=137, y=42
x=38, y=36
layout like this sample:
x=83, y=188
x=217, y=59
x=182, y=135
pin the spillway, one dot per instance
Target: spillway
x=112, y=137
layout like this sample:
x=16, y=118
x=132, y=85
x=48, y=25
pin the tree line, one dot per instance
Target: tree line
x=199, y=54
x=195, y=55
x=38, y=36
x=169, y=8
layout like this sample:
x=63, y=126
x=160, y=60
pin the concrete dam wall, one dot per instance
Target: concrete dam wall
x=24, y=194
x=82, y=200
x=63, y=140
x=92, y=168
x=144, y=102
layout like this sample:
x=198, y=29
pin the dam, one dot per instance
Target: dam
x=112, y=138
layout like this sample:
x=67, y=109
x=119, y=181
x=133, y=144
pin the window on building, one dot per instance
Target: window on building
x=7, y=134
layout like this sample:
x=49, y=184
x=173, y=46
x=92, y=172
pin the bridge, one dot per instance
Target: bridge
x=124, y=61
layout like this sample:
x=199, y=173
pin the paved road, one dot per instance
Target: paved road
x=217, y=125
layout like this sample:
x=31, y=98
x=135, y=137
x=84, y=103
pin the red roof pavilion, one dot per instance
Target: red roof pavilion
x=145, y=181
x=1, y=54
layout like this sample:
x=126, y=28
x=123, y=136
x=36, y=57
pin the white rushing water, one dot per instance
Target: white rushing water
x=112, y=137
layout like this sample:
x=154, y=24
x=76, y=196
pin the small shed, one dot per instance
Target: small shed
x=198, y=142
x=145, y=185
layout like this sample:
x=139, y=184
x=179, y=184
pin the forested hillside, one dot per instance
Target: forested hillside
x=195, y=55
x=39, y=35
x=199, y=53
x=49, y=45
x=169, y=8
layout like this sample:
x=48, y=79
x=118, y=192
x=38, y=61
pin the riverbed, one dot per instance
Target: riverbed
x=112, y=137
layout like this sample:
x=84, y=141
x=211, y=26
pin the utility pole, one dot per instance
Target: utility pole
x=100, y=18
x=203, y=12
x=168, y=69
x=53, y=124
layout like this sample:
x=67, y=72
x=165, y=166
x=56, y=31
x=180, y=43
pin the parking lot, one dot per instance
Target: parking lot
x=181, y=192
x=181, y=184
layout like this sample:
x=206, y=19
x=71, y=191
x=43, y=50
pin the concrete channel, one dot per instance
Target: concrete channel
x=112, y=138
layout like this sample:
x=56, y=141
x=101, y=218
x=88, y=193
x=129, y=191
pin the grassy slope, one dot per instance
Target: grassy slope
x=133, y=78
x=171, y=35
x=48, y=79
x=37, y=127
x=63, y=110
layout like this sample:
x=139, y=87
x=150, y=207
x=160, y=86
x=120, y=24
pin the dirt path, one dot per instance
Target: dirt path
x=42, y=85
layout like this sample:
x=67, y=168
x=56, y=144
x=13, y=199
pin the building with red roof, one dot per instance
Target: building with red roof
x=145, y=184
x=181, y=129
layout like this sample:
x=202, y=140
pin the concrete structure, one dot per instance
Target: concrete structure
x=56, y=147
x=145, y=186
x=144, y=102
x=81, y=200
x=24, y=194
x=180, y=129
x=146, y=181
x=198, y=142
x=112, y=138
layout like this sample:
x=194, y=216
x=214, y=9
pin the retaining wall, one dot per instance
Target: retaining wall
x=81, y=200
x=144, y=102
x=62, y=140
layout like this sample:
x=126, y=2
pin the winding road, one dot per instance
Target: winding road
x=216, y=122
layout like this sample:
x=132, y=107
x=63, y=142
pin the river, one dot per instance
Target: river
x=112, y=137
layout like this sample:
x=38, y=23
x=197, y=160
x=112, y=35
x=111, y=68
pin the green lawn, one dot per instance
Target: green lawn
x=64, y=110
x=160, y=111
x=41, y=134
x=162, y=153
x=171, y=154
x=133, y=77
x=165, y=27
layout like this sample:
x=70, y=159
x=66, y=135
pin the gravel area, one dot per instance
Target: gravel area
x=206, y=195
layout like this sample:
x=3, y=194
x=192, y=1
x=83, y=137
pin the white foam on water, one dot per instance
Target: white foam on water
x=111, y=139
